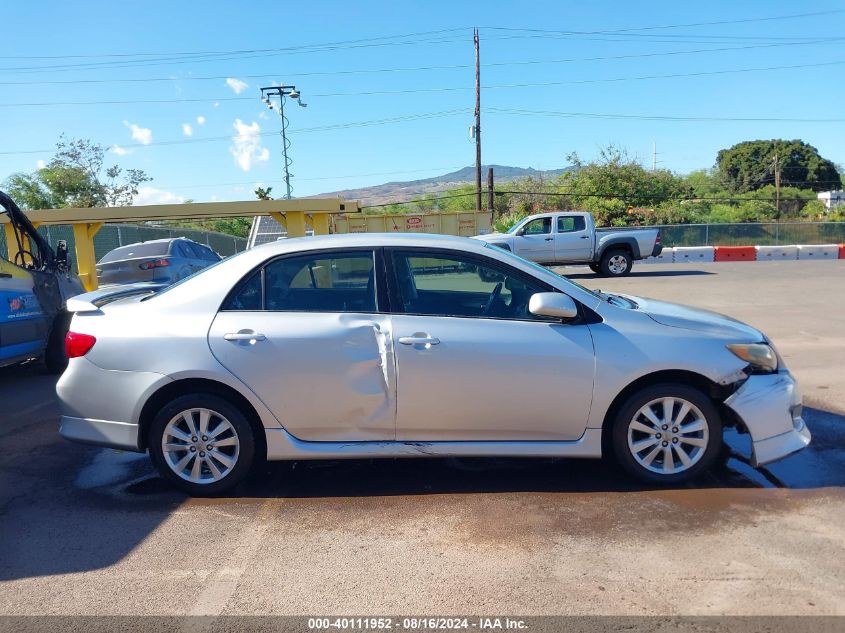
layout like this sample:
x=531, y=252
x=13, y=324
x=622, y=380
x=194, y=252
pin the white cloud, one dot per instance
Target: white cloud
x=151, y=195
x=200, y=120
x=40, y=163
x=187, y=130
x=262, y=115
x=120, y=151
x=143, y=135
x=216, y=103
x=246, y=145
x=237, y=85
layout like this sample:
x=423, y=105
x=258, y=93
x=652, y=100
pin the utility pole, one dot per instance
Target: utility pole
x=282, y=92
x=477, y=121
x=490, y=191
x=777, y=185
x=654, y=156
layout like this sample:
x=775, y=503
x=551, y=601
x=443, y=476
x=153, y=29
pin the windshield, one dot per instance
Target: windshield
x=545, y=271
x=516, y=227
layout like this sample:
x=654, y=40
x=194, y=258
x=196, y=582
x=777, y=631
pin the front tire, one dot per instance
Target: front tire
x=202, y=444
x=616, y=263
x=667, y=434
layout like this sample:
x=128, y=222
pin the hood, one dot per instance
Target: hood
x=705, y=321
x=492, y=237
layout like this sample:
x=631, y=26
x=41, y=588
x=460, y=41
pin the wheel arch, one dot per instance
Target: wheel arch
x=624, y=243
x=713, y=390
x=184, y=386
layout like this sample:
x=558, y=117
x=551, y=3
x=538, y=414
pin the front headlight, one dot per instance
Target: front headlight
x=760, y=356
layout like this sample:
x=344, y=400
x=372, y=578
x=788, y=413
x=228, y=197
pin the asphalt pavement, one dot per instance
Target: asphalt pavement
x=93, y=531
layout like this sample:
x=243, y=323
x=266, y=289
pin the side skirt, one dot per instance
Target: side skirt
x=281, y=445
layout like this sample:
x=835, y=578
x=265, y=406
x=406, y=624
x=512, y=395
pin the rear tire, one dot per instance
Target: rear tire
x=616, y=262
x=661, y=450
x=202, y=444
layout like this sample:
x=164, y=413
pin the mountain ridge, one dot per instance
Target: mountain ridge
x=399, y=191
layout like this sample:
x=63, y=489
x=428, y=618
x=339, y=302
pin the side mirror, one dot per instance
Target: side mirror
x=520, y=232
x=553, y=304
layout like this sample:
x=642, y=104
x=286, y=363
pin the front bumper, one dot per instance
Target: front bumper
x=121, y=435
x=770, y=408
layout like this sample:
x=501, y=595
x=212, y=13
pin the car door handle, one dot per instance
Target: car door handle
x=419, y=340
x=585, y=237
x=244, y=336
x=549, y=239
x=5, y=275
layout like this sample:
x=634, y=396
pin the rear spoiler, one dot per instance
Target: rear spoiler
x=93, y=301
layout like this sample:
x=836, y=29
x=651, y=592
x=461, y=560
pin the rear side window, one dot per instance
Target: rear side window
x=571, y=224
x=336, y=282
x=132, y=251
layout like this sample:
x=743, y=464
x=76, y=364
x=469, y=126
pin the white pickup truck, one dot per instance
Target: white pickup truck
x=571, y=237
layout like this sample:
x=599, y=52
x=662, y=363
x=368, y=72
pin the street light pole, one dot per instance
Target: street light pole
x=282, y=92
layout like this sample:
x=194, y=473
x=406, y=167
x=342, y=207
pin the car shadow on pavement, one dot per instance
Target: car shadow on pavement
x=821, y=465
x=635, y=273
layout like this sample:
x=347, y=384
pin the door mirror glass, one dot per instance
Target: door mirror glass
x=553, y=304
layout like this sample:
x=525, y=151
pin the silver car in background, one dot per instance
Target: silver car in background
x=394, y=345
x=164, y=261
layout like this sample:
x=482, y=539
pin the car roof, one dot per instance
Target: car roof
x=372, y=240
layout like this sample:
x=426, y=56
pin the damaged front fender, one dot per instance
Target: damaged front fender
x=769, y=406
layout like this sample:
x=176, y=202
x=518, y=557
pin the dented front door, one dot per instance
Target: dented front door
x=326, y=376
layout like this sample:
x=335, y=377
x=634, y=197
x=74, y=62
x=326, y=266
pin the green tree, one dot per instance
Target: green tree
x=750, y=165
x=76, y=177
x=615, y=183
x=263, y=193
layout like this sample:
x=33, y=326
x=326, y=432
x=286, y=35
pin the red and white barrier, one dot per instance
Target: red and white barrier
x=667, y=256
x=771, y=253
x=686, y=254
x=819, y=251
x=707, y=254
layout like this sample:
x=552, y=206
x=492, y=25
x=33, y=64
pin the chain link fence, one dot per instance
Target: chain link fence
x=113, y=235
x=753, y=234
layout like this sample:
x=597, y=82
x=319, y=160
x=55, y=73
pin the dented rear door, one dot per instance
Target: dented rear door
x=327, y=375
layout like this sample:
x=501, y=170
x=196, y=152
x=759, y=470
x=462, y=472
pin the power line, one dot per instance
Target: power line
x=229, y=137
x=356, y=71
x=361, y=93
x=574, y=194
x=372, y=39
x=687, y=25
x=654, y=117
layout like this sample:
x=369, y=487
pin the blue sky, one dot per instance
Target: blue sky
x=370, y=63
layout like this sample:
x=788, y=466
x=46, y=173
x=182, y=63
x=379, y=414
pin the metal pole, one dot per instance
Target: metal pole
x=490, y=191
x=477, y=122
x=285, y=146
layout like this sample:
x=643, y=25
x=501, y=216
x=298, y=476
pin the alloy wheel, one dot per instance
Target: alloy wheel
x=200, y=445
x=617, y=264
x=668, y=435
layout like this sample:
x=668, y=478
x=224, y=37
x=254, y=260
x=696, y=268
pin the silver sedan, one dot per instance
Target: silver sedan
x=412, y=346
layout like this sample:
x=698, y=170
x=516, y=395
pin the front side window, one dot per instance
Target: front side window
x=454, y=285
x=336, y=282
x=540, y=226
x=571, y=224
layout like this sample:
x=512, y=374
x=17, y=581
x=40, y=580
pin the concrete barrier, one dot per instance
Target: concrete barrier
x=694, y=254
x=819, y=251
x=667, y=256
x=735, y=254
x=771, y=253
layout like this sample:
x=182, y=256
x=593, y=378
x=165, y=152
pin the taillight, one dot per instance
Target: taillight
x=77, y=345
x=658, y=238
x=156, y=263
